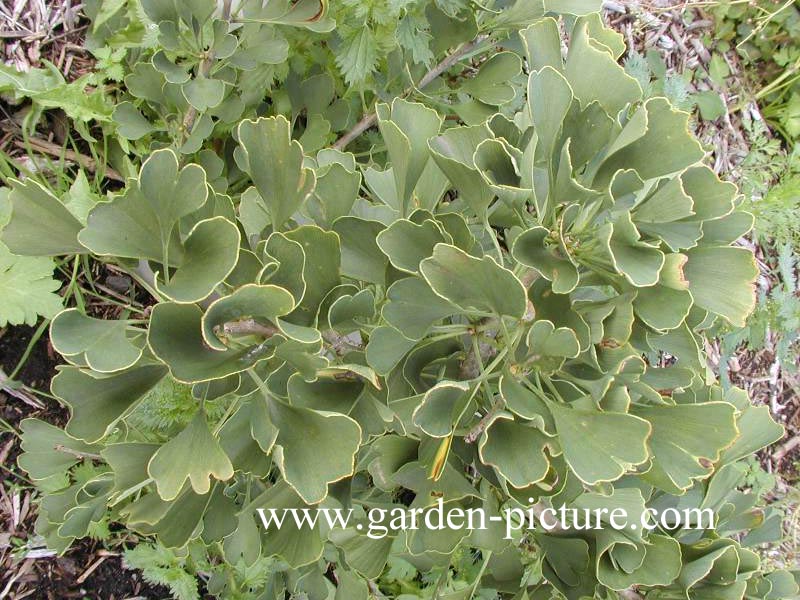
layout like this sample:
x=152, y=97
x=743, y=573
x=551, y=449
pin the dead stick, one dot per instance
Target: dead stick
x=55, y=150
x=76, y=453
x=786, y=448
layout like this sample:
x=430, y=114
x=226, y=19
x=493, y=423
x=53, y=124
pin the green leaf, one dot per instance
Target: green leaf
x=722, y=280
x=500, y=447
x=336, y=192
x=194, y=454
x=665, y=305
x=523, y=402
x=309, y=14
x=285, y=262
x=47, y=88
x=668, y=203
x=316, y=134
x=632, y=503
x=549, y=98
x=175, y=337
x=274, y=162
x=128, y=461
x=454, y=152
x=522, y=12
x=49, y=451
x=202, y=128
x=102, y=344
x=548, y=346
x=263, y=303
x=239, y=442
x=361, y=553
x=492, y=83
x=204, y=93
x=321, y=270
x=131, y=124
x=638, y=261
x=413, y=307
x=474, y=284
x=441, y=408
x=499, y=165
x=244, y=545
x=660, y=566
x=253, y=215
x=406, y=243
x=557, y=308
x=594, y=74
x=684, y=437
x=718, y=559
x=655, y=142
x=210, y=253
x=357, y=56
x=173, y=522
x=5, y=207
x=348, y=311
x=387, y=347
x=711, y=197
x=27, y=289
x=711, y=105
x=532, y=249
x=80, y=199
x=406, y=128
x=172, y=72
x=566, y=560
x=757, y=430
x=224, y=44
x=146, y=83
x=351, y=587
x=718, y=69
x=106, y=11
x=727, y=229
x=40, y=224
x=600, y=446
x=542, y=42
x=298, y=546
x=154, y=204
x=27, y=84
x=314, y=448
x=97, y=403
x=362, y=259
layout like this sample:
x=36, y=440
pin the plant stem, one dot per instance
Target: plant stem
x=131, y=491
x=478, y=578
x=191, y=114
x=226, y=10
x=145, y=276
x=493, y=237
x=64, y=154
x=473, y=434
x=232, y=408
x=260, y=383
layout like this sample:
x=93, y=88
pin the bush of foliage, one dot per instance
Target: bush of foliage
x=499, y=303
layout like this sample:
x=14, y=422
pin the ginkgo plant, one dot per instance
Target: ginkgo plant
x=495, y=315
